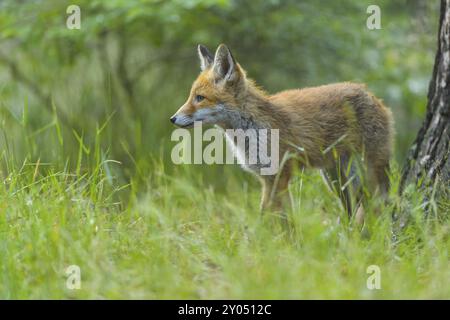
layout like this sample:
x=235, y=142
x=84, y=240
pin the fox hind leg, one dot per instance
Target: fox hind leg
x=381, y=172
x=337, y=182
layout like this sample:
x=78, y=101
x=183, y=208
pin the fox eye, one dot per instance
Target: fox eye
x=199, y=98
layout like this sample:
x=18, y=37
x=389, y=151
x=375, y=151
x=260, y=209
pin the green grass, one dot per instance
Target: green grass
x=181, y=238
x=150, y=229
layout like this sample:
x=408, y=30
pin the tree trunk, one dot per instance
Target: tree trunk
x=428, y=161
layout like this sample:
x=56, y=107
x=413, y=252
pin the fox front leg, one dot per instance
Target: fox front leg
x=275, y=190
x=267, y=184
x=274, y=195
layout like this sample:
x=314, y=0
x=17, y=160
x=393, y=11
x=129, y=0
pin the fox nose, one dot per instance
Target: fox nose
x=173, y=119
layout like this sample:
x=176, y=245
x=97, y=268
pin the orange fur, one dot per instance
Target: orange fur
x=344, y=116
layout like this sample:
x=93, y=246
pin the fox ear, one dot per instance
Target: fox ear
x=224, y=64
x=206, y=58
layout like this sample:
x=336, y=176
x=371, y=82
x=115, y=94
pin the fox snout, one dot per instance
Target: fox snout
x=183, y=117
x=182, y=120
x=212, y=115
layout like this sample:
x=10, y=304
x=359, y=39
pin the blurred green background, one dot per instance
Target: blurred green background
x=85, y=148
x=116, y=81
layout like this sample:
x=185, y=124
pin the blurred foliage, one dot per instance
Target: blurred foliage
x=115, y=82
x=73, y=100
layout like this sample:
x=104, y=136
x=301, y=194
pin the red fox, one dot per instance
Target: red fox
x=324, y=127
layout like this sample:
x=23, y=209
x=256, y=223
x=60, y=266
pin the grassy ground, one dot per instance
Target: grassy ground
x=141, y=229
x=182, y=240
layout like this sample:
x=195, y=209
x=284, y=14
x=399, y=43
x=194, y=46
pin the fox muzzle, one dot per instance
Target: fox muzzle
x=182, y=120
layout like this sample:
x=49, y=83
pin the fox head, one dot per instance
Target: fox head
x=217, y=89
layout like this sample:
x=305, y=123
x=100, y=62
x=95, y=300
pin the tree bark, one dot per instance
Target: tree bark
x=428, y=161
